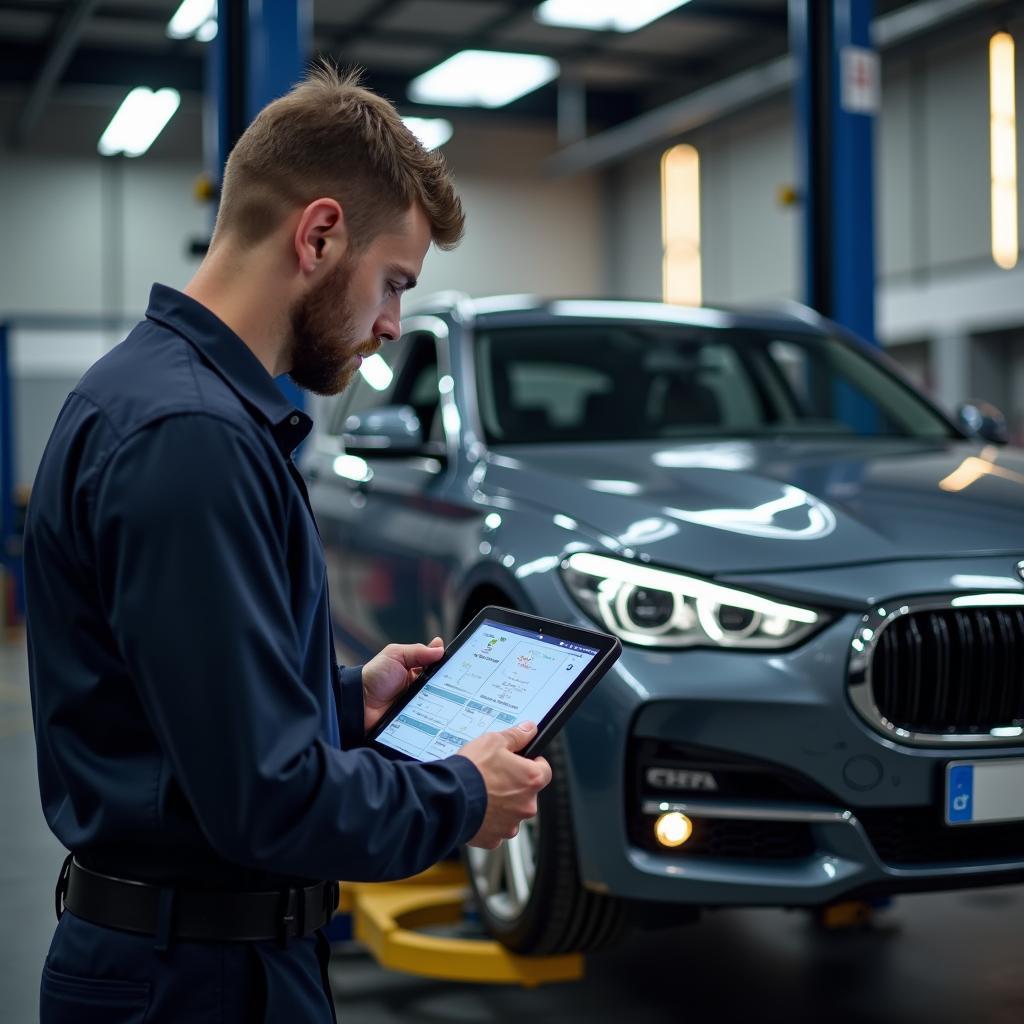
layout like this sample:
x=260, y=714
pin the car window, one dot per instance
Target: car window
x=619, y=381
x=371, y=387
x=556, y=392
x=417, y=383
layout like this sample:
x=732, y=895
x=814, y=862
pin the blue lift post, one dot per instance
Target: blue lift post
x=837, y=93
x=838, y=87
x=260, y=52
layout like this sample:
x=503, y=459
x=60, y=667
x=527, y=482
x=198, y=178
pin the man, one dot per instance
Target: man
x=197, y=743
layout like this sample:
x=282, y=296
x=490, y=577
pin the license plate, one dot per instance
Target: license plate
x=980, y=791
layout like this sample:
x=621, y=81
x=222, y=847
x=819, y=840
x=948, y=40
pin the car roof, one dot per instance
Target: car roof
x=509, y=310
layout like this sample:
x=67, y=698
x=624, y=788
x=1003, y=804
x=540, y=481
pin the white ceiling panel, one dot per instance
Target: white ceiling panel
x=451, y=17
x=679, y=35
x=115, y=32
x=388, y=56
x=340, y=13
x=30, y=26
x=526, y=31
x=607, y=71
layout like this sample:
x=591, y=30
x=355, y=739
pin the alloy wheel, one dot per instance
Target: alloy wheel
x=504, y=877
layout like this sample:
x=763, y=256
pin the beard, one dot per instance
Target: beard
x=324, y=343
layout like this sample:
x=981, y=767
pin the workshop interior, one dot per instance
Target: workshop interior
x=728, y=369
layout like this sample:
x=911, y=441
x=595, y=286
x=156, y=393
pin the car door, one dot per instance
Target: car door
x=378, y=509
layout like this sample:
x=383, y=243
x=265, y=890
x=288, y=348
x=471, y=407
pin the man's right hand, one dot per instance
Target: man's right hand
x=512, y=782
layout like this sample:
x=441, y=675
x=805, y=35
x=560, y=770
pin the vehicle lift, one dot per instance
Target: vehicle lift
x=387, y=917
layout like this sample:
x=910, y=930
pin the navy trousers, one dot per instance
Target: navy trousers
x=95, y=974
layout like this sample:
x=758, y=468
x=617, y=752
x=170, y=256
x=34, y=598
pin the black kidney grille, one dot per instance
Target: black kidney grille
x=957, y=670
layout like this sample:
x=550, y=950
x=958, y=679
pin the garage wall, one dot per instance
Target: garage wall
x=86, y=238
x=748, y=238
x=90, y=236
x=933, y=185
x=524, y=232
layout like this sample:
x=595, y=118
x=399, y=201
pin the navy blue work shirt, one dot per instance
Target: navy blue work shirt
x=189, y=712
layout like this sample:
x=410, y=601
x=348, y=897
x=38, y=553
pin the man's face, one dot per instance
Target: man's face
x=345, y=316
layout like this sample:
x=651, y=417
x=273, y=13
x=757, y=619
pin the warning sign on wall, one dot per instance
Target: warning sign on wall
x=860, y=80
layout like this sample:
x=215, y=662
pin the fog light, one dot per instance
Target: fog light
x=673, y=829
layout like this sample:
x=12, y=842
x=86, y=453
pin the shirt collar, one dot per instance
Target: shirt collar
x=233, y=360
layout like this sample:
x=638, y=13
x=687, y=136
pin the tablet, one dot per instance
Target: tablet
x=505, y=667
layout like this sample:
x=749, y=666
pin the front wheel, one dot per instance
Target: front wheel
x=528, y=890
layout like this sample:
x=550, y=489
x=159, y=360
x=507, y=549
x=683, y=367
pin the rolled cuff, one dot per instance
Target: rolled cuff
x=351, y=711
x=476, y=795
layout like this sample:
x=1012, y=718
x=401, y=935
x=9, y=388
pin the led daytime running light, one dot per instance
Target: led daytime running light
x=673, y=583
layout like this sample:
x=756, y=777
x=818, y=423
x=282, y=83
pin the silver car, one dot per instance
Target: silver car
x=814, y=573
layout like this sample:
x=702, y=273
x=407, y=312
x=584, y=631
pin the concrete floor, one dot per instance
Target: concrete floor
x=940, y=959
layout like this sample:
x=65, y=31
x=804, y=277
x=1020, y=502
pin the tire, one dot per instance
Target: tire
x=528, y=890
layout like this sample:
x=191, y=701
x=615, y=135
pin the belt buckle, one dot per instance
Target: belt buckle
x=61, y=891
x=292, y=913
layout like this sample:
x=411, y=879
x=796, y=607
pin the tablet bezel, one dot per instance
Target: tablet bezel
x=608, y=647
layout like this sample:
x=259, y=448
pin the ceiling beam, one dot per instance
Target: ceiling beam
x=746, y=15
x=661, y=68
x=94, y=66
x=65, y=38
x=127, y=11
x=741, y=90
x=695, y=10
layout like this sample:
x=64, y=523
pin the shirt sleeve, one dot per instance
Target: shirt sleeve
x=348, y=696
x=190, y=532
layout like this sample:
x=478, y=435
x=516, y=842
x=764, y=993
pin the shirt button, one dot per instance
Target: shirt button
x=294, y=421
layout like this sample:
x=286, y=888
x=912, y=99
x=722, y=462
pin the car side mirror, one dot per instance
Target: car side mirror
x=982, y=419
x=391, y=429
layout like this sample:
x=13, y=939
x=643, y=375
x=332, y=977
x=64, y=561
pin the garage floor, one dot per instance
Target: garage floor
x=941, y=959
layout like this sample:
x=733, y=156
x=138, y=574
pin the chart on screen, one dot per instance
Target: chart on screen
x=500, y=676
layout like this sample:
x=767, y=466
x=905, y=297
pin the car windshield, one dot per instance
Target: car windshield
x=613, y=382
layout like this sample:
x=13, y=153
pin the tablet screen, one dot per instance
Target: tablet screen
x=498, y=677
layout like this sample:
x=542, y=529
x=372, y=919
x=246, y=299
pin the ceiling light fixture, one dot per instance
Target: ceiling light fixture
x=483, y=78
x=138, y=121
x=207, y=32
x=193, y=18
x=604, y=15
x=433, y=132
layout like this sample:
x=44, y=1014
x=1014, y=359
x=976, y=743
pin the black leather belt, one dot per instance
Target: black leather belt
x=193, y=914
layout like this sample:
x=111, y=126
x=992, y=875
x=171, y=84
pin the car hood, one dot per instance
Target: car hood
x=742, y=506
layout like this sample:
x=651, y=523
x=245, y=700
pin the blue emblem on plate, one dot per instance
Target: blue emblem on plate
x=960, y=806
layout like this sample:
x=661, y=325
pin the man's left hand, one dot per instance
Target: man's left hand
x=389, y=674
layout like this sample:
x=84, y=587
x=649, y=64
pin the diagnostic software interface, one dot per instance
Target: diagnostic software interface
x=500, y=676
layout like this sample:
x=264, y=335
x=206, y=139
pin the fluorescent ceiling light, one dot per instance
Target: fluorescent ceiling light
x=138, y=121
x=483, y=78
x=190, y=17
x=433, y=132
x=207, y=32
x=604, y=15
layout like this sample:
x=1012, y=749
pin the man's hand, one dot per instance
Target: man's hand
x=512, y=782
x=388, y=675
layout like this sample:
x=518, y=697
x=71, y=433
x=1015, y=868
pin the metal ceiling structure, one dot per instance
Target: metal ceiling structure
x=609, y=79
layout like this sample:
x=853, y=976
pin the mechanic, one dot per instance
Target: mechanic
x=198, y=745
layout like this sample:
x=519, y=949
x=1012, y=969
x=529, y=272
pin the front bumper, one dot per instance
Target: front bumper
x=788, y=713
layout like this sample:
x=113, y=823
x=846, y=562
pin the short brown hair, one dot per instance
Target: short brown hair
x=331, y=137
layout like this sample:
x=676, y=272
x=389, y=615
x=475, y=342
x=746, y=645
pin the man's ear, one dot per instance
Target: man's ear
x=320, y=236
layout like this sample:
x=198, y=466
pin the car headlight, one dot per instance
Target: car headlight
x=659, y=608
